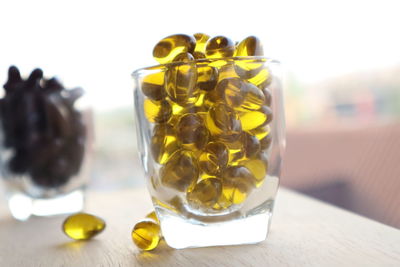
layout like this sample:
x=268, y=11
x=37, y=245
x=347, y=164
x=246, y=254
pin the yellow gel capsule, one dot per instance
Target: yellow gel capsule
x=82, y=226
x=248, y=68
x=237, y=183
x=153, y=86
x=265, y=142
x=258, y=166
x=236, y=150
x=191, y=132
x=214, y=158
x=181, y=171
x=146, y=235
x=157, y=111
x=260, y=132
x=198, y=55
x=201, y=40
x=268, y=97
x=180, y=84
x=207, y=77
x=163, y=143
x=227, y=71
x=254, y=119
x=250, y=46
x=153, y=216
x=251, y=145
x=205, y=193
x=223, y=122
x=262, y=79
x=183, y=57
x=169, y=47
x=220, y=47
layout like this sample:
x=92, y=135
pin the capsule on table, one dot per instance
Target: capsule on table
x=254, y=119
x=258, y=166
x=251, y=145
x=220, y=47
x=181, y=171
x=163, y=143
x=191, y=132
x=153, y=86
x=83, y=226
x=157, y=111
x=223, y=122
x=201, y=40
x=169, y=47
x=214, y=158
x=237, y=183
x=205, y=193
x=146, y=235
x=207, y=77
x=250, y=46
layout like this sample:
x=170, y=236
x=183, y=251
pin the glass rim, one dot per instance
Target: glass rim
x=262, y=59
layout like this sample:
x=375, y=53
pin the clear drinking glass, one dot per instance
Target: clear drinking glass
x=211, y=136
x=45, y=148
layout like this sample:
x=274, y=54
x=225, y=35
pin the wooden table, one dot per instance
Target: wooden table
x=304, y=232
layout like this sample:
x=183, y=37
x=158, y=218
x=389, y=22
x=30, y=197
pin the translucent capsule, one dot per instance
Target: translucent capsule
x=153, y=216
x=157, y=111
x=163, y=143
x=214, y=158
x=236, y=150
x=258, y=166
x=180, y=84
x=201, y=40
x=146, y=235
x=250, y=46
x=265, y=142
x=248, y=68
x=153, y=86
x=237, y=183
x=82, y=226
x=191, y=132
x=169, y=47
x=262, y=79
x=268, y=97
x=183, y=57
x=251, y=145
x=227, y=71
x=241, y=95
x=181, y=171
x=207, y=77
x=220, y=47
x=260, y=132
x=223, y=122
x=205, y=193
x=198, y=55
x=254, y=119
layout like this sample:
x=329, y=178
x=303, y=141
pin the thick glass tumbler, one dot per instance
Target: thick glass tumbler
x=211, y=138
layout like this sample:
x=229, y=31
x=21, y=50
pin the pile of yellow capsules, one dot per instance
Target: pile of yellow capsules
x=210, y=107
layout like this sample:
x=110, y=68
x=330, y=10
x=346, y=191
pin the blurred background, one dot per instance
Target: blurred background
x=342, y=81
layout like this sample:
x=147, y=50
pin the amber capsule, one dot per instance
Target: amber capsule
x=262, y=79
x=82, y=226
x=207, y=77
x=180, y=83
x=163, y=143
x=237, y=183
x=254, y=119
x=214, y=158
x=169, y=47
x=183, y=57
x=227, y=71
x=146, y=235
x=181, y=171
x=248, y=68
x=153, y=216
x=157, y=111
x=223, y=122
x=236, y=150
x=153, y=86
x=260, y=132
x=220, y=47
x=191, y=132
x=265, y=142
x=198, y=55
x=201, y=40
x=251, y=145
x=258, y=166
x=206, y=192
x=268, y=97
x=250, y=46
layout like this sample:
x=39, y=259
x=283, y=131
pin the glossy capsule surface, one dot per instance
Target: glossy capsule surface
x=260, y=132
x=163, y=143
x=169, y=47
x=258, y=166
x=157, y=111
x=222, y=121
x=153, y=86
x=262, y=79
x=220, y=47
x=82, y=226
x=180, y=83
x=146, y=235
x=237, y=183
x=254, y=119
x=191, y=131
x=207, y=77
x=251, y=145
x=214, y=158
x=201, y=40
x=250, y=46
x=181, y=171
x=206, y=192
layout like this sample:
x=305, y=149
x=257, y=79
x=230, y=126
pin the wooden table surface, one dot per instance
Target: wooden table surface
x=304, y=232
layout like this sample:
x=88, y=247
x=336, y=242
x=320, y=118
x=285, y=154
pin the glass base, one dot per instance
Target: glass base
x=23, y=206
x=181, y=233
